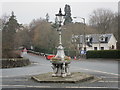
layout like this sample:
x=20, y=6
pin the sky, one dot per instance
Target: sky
x=25, y=12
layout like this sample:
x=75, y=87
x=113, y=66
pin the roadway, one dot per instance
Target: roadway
x=20, y=77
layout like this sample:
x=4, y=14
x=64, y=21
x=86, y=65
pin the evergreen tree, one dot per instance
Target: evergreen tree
x=8, y=35
x=68, y=18
x=55, y=25
x=56, y=21
x=47, y=17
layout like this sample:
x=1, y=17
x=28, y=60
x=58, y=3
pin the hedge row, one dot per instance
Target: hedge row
x=37, y=53
x=14, y=62
x=103, y=54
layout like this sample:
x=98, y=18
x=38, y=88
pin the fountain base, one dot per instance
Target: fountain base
x=73, y=78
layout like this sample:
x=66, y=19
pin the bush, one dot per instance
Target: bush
x=70, y=53
x=11, y=54
x=43, y=50
x=103, y=54
x=14, y=62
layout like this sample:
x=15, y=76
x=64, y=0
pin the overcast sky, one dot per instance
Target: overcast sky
x=27, y=11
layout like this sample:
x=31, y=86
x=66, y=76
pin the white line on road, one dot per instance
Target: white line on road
x=25, y=86
x=28, y=86
x=109, y=81
x=97, y=71
x=89, y=87
x=109, y=77
x=16, y=80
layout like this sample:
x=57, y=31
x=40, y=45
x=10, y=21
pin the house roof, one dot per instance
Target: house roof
x=95, y=38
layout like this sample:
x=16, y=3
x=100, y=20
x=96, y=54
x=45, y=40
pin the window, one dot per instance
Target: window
x=95, y=48
x=102, y=48
x=102, y=39
x=112, y=46
x=106, y=39
x=84, y=48
x=87, y=39
x=91, y=39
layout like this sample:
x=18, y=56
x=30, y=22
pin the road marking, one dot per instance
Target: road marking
x=20, y=75
x=25, y=86
x=90, y=87
x=110, y=77
x=35, y=63
x=109, y=81
x=13, y=85
x=16, y=80
x=49, y=86
x=98, y=71
x=39, y=86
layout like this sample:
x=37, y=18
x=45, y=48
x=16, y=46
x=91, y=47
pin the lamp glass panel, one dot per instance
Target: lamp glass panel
x=60, y=18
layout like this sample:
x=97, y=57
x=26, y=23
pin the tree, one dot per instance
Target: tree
x=22, y=38
x=47, y=17
x=101, y=19
x=43, y=36
x=8, y=36
x=68, y=18
x=105, y=21
x=55, y=25
x=5, y=19
x=118, y=43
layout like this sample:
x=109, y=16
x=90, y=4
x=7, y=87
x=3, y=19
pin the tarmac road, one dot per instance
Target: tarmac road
x=21, y=77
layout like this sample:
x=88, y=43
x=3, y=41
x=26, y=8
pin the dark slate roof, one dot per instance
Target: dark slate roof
x=95, y=37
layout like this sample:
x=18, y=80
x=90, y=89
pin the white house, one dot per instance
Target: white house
x=95, y=41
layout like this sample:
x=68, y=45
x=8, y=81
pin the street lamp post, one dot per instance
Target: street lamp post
x=60, y=49
x=60, y=63
x=84, y=31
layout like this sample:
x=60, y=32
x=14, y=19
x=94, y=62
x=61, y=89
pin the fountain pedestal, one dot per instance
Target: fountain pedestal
x=60, y=63
x=60, y=68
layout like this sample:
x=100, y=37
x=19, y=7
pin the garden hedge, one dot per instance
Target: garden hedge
x=14, y=62
x=103, y=54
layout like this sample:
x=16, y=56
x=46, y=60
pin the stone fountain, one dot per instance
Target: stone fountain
x=60, y=63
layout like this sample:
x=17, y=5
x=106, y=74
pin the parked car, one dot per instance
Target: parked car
x=49, y=56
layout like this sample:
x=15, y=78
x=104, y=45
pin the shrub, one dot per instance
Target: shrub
x=11, y=54
x=43, y=50
x=103, y=54
x=14, y=62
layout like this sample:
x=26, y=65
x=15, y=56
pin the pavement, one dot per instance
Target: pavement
x=21, y=77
